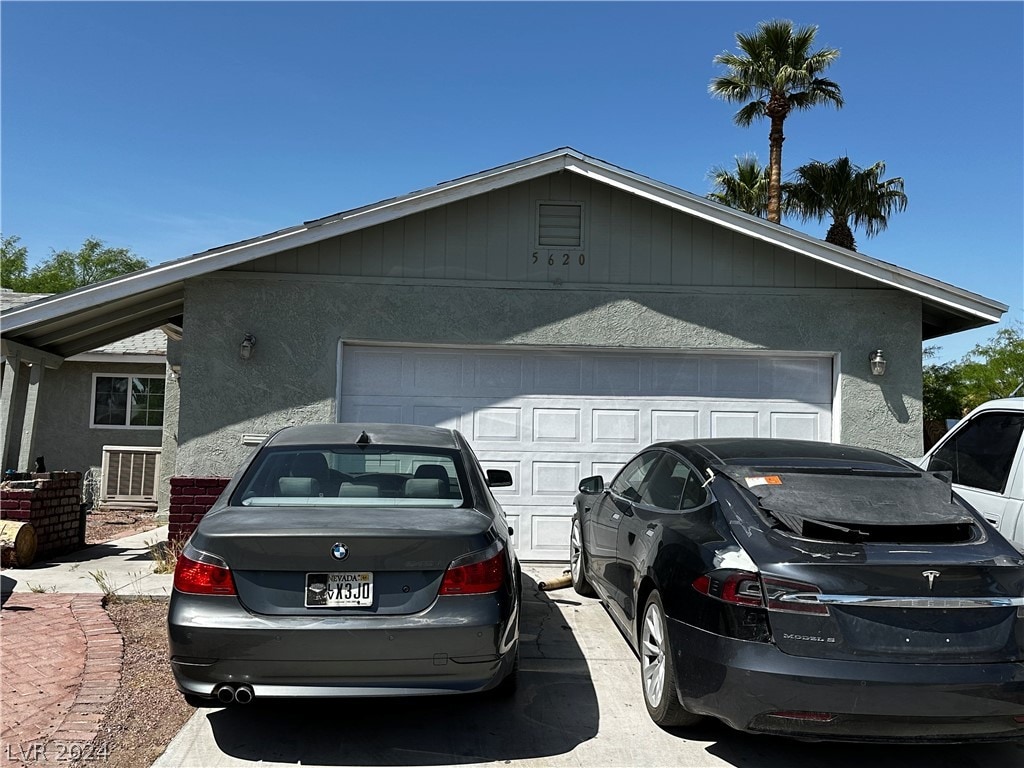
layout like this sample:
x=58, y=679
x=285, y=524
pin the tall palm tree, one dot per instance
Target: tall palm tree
x=745, y=189
x=849, y=194
x=775, y=72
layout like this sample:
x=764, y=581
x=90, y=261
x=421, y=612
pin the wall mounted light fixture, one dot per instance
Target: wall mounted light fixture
x=245, y=350
x=877, y=363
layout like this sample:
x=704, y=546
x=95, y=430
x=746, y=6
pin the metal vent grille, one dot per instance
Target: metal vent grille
x=560, y=225
x=130, y=475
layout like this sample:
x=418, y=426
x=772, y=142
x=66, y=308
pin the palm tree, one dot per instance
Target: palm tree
x=746, y=189
x=776, y=72
x=848, y=194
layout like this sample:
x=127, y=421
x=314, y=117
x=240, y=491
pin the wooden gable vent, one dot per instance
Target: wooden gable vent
x=560, y=225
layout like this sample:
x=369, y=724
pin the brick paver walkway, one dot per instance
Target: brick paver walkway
x=60, y=664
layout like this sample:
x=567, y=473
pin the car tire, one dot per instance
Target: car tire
x=578, y=561
x=658, y=670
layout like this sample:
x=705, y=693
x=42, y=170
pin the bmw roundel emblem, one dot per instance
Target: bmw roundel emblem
x=339, y=551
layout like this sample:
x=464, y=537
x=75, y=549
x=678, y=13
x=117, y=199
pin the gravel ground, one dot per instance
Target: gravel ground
x=103, y=525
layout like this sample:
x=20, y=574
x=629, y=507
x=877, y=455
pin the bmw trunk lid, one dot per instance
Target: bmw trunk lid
x=336, y=560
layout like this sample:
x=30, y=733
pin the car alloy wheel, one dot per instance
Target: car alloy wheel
x=657, y=668
x=577, y=561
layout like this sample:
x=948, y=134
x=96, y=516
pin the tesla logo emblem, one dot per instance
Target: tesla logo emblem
x=931, y=576
x=339, y=551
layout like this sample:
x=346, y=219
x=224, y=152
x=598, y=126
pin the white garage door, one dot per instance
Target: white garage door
x=553, y=417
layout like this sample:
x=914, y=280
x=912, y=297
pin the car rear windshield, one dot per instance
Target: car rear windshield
x=855, y=505
x=372, y=476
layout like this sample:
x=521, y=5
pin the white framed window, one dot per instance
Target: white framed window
x=559, y=225
x=124, y=401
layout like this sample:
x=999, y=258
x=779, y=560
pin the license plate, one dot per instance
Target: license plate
x=339, y=590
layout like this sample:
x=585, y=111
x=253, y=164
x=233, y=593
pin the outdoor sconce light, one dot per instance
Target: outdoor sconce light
x=245, y=351
x=877, y=363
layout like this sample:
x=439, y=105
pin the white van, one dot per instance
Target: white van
x=985, y=453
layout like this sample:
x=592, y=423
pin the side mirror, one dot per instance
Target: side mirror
x=593, y=484
x=499, y=478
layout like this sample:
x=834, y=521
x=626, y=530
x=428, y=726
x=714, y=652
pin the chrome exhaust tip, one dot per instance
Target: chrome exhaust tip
x=243, y=694
x=225, y=694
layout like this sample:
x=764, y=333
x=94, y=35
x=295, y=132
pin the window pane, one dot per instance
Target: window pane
x=629, y=480
x=111, y=404
x=980, y=454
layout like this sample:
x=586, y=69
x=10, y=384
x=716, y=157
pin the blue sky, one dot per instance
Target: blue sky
x=171, y=128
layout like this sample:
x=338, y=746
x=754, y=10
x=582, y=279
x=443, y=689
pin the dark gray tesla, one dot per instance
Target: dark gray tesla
x=349, y=560
x=806, y=589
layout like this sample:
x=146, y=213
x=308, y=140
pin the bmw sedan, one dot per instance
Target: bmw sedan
x=806, y=589
x=349, y=560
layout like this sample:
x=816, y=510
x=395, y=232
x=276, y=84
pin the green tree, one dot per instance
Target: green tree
x=745, y=189
x=776, y=72
x=65, y=270
x=848, y=194
x=994, y=369
x=13, y=261
x=942, y=389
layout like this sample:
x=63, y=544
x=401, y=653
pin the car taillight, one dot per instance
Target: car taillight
x=200, y=573
x=476, y=573
x=760, y=591
x=790, y=596
x=736, y=587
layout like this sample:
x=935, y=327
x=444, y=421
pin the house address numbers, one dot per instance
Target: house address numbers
x=558, y=258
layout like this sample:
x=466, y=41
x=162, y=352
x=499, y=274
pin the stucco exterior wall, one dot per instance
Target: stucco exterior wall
x=169, y=442
x=63, y=434
x=298, y=321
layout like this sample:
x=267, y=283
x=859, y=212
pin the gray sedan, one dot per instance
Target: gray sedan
x=349, y=560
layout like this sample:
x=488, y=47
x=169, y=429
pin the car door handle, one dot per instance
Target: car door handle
x=616, y=516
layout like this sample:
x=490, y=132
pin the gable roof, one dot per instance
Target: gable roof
x=98, y=314
x=146, y=347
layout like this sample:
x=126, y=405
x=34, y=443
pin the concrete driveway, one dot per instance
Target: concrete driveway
x=578, y=704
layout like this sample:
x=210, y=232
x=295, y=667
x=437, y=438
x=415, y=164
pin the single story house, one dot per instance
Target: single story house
x=99, y=412
x=560, y=311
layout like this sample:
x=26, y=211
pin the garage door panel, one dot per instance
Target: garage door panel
x=553, y=417
x=795, y=426
x=797, y=379
x=674, y=425
x=730, y=377
x=437, y=416
x=556, y=425
x=734, y=424
x=558, y=375
x=616, y=425
x=556, y=478
x=549, y=535
x=437, y=372
x=386, y=414
x=497, y=424
x=676, y=377
x=617, y=376
x=499, y=373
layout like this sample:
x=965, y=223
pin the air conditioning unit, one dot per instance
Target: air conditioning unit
x=130, y=476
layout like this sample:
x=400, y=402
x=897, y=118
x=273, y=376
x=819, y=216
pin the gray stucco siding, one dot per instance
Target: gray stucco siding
x=299, y=320
x=64, y=436
x=627, y=240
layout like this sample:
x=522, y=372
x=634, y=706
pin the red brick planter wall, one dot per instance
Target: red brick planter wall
x=191, y=498
x=52, y=503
